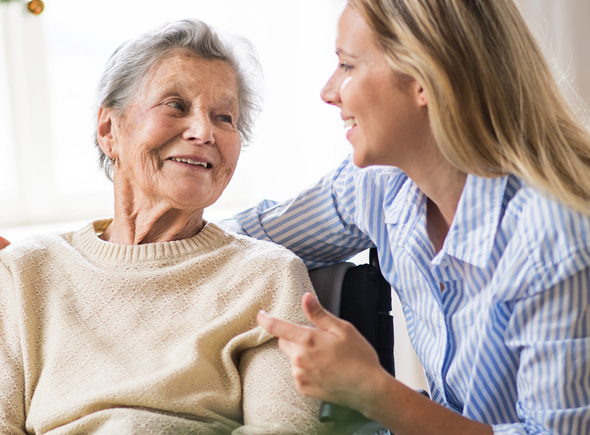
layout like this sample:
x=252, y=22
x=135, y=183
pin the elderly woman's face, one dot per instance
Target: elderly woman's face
x=178, y=143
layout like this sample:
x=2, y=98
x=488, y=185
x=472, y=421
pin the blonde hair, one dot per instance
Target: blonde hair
x=494, y=106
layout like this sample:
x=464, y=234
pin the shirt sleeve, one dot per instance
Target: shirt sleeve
x=551, y=329
x=270, y=402
x=12, y=384
x=320, y=224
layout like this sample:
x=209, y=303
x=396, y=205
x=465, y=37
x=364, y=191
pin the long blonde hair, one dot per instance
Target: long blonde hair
x=493, y=103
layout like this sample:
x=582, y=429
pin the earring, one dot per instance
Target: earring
x=111, y=160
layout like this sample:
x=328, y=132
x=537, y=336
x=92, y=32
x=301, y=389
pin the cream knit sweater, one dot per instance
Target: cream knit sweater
x=150, y=339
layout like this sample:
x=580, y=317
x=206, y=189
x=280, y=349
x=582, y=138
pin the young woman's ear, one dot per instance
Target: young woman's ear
x=104, y=131
x=420, y=93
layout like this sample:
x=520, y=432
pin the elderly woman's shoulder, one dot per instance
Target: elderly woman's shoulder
x=32, y=247
x=252, y=248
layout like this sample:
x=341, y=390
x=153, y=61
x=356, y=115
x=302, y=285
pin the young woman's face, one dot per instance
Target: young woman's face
x=384, y=115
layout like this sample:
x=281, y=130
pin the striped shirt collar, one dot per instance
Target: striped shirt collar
x=473, y=226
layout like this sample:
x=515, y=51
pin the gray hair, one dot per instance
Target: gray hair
x=130, y=63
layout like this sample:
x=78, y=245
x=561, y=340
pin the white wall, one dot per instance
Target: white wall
x=562, y=28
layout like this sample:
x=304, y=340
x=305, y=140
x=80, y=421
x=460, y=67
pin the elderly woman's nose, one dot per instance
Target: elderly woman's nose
x=200, y=129
x=331, y=91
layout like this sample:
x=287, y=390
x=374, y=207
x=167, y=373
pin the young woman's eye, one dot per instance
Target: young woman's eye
x=345, y=66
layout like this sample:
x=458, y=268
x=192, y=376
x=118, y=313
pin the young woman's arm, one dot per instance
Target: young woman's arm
x=330, y=221
x=333, y=362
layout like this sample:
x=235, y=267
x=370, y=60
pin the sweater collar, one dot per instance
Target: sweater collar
x=89, y=241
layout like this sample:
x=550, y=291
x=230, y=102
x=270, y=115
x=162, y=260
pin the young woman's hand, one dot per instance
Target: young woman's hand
x=332, y=362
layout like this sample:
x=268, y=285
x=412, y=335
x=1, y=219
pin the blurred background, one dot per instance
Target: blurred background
x=49, y=67
x=50, y=64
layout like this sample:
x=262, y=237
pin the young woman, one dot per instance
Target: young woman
x=482, y=223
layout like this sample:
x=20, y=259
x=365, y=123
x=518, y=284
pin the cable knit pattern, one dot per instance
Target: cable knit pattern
x=160, y=338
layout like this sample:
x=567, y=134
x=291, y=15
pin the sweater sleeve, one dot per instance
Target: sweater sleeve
x=12, y=382
x=270, y=402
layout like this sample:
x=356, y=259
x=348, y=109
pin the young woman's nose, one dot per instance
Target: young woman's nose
x=200, y=129
x=331, y=90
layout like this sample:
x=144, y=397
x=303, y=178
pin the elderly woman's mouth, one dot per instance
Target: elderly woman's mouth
x=191, y=162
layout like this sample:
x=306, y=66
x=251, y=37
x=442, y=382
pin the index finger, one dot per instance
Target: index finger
x=279, y=328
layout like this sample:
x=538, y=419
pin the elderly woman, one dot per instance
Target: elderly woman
x=146, y=323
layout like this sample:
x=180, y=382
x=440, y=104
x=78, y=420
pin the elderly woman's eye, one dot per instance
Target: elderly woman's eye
x=226, y=118
x=175, y=105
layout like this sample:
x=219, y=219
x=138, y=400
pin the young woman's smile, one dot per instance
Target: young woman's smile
x=381, y=110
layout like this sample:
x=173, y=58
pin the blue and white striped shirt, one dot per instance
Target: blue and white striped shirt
x=507, y=342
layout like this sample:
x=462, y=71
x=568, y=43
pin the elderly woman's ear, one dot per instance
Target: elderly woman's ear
x=104, y=132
